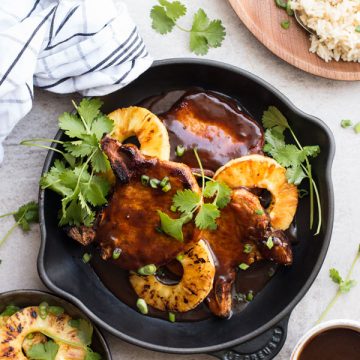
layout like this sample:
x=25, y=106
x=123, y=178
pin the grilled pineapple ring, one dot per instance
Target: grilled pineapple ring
x=263, y=172
x=195, y=285
x=65, y=352
x=27, y=321
x=147, y=127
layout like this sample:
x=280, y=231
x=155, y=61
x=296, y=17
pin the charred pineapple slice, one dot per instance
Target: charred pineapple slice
x=65, y=352
x=257, y=171
x=28, y=321
x=147, y=127
x=195, y=285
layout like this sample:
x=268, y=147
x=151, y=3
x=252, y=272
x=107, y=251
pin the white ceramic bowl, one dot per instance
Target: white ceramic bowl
x=318, y=329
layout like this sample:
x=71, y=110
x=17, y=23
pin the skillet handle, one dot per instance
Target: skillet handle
x=264, y=347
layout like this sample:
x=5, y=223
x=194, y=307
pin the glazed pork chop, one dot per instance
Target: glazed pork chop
x=213, y=124
x=241, y=236
x=130, y=221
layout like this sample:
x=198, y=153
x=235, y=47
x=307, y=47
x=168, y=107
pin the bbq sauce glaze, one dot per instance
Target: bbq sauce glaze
x=333, y=344
x=241, y=136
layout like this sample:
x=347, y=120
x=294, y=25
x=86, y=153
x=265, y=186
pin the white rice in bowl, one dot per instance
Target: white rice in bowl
x=337, y=24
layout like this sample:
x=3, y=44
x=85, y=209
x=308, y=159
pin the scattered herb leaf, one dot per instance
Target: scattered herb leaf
x=84, y=330
x=26, y=215
x=357, y=128
x=10, y=310
x=344, y=285
x=204, y=34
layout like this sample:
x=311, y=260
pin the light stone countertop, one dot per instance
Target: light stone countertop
x=329, y=100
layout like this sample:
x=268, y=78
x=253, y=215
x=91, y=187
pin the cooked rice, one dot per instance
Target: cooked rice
x=334, y=21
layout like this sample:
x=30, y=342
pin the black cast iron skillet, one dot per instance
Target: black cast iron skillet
x=24, y=298
x=260, y=330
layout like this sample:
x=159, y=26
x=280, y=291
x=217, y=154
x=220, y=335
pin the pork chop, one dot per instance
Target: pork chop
x=241, y=236
x=130, y=221
x=215, y=125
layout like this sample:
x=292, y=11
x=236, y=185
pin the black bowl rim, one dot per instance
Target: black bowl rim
x=297, y=298
x=21, y=292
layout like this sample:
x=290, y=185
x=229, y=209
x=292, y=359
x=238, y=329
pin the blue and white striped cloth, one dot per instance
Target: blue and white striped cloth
x=64, y=46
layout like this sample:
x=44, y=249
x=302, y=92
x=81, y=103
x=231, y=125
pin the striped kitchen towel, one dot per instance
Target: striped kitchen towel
x=87, y=46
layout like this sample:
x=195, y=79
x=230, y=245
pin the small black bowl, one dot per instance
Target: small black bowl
x=259, y=331
x=24, y=298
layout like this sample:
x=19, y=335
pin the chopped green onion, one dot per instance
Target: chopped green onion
x=145, y=180
x=86, y=258
x=180, y=257
x=172, y=317
x=357, y=29
x=259, y=212
x=43, y=310
x=142, y=306
x=10, y=310
x=154, y=183
x=180, y=150
x=166, y=188
x=247, y=248
x=147, y=270
x=357, y=128
x=285, y=24
x=173, y=208
x=303, y=193
x=250, y=296
x=56, y=310
x=159, y=230
x=270, y=242
x=243, y=266
x=164, y=181
x=116, y=253
x=346, y=123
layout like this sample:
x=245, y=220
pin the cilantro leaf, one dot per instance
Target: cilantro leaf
x=46, y=351
x=99, y=161
x=221, y=190
x=172, y=227
x=79, y=148
x=27, y=214
x=84, y=330
x=72, y=125
x=205, y=219
x=89, y=109
x=335, y=276
x=102, y=125
x=205, y=33
x=346, y=286
x=295, y=175
x=174, y=10
x=186, y=201
x=161, y=23
x=273, y=117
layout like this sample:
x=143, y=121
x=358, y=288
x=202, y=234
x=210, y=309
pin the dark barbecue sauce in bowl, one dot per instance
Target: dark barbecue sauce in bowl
x=226, y=131
x=332, y=344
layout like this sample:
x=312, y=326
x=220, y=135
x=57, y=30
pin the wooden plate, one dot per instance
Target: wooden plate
x=263, y=18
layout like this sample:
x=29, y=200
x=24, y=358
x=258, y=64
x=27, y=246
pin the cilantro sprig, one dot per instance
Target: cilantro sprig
x=294, y=157
x=43, y=351
x=188, y=202
x=26, y=215
x=344, y=285
x=77, y=177
x=204, y=33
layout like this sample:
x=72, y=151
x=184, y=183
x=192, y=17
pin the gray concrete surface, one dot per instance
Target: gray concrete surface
x=329, y=100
